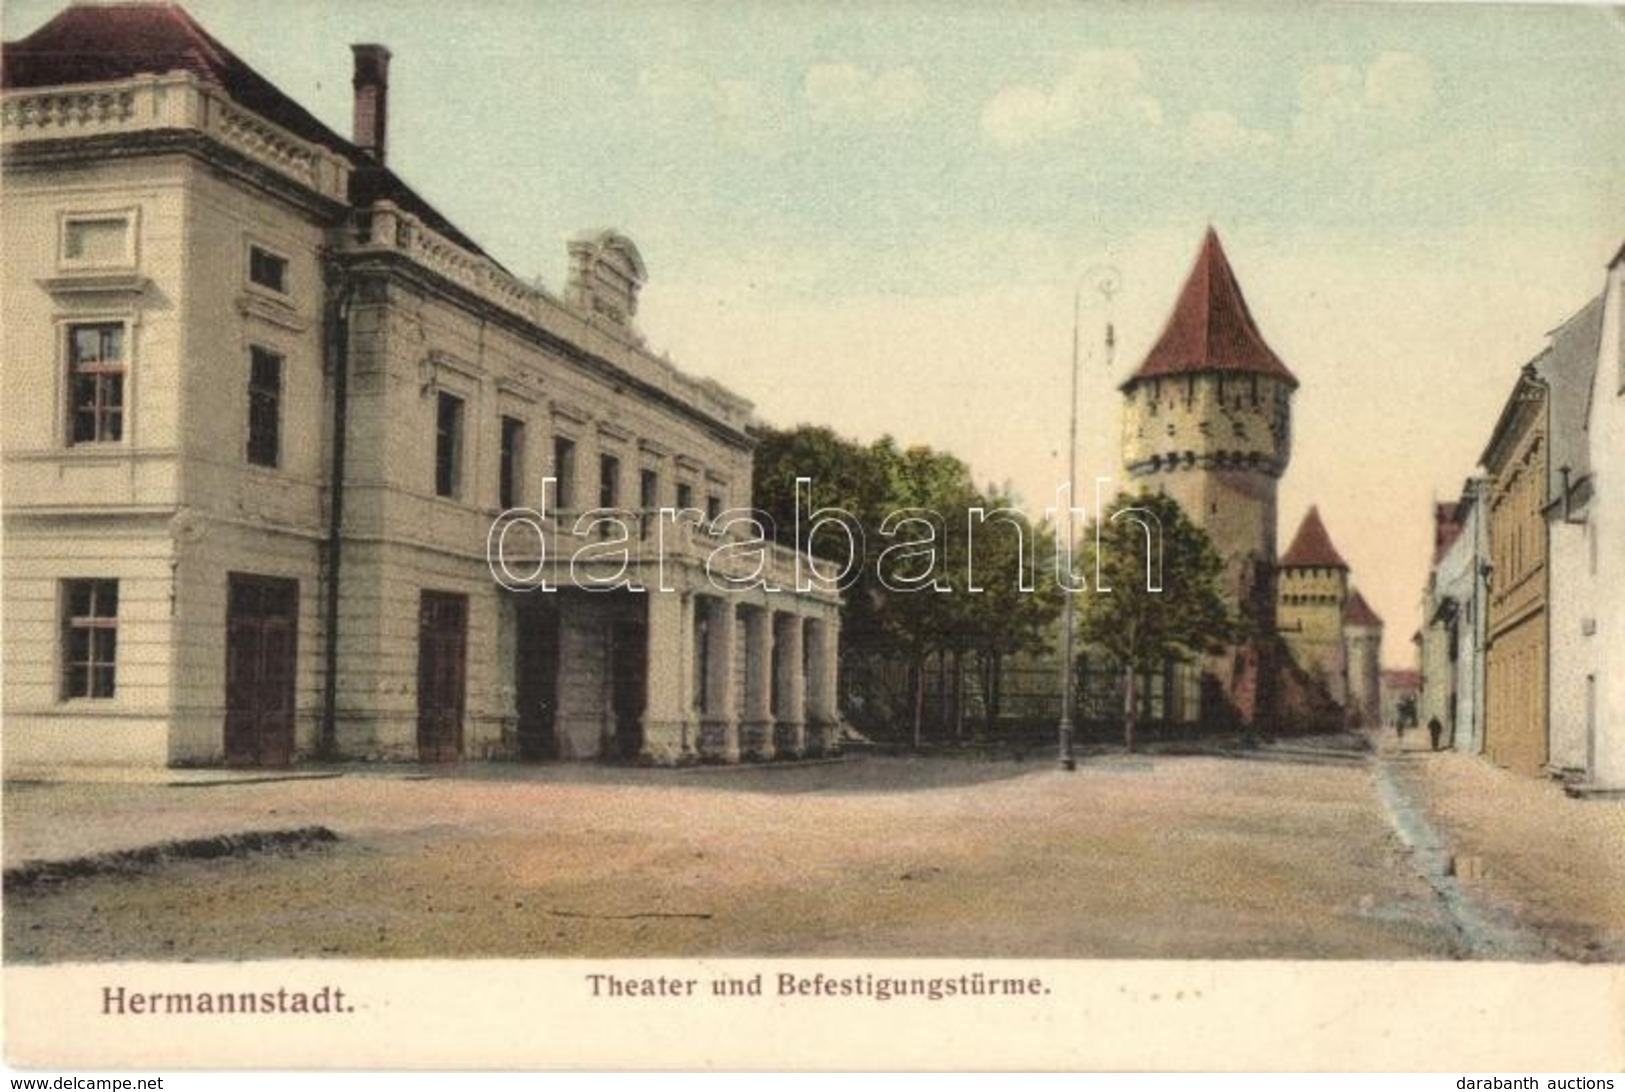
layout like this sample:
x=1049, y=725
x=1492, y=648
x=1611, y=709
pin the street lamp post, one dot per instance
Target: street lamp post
x=1107, y=281
x=1069, y=760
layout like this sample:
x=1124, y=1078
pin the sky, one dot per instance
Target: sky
x=873, y=216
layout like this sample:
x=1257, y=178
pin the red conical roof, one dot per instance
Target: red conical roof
x=1211, y=329
x=1312, y=547
x=1357, y=612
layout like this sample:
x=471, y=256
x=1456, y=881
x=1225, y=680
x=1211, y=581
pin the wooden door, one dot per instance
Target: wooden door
x=628, y=664
x=262, y=630
x=536, y=677
x=442, y=658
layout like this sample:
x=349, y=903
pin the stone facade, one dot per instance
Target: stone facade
x=264, y=407
x=1362, y=641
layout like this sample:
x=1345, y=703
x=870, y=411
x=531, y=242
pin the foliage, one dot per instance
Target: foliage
x=943, y=616
x=1144, y=615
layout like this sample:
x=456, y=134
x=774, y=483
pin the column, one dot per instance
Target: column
x=668, y=730
x=719, y=725
x=823, y=708
x=791, y=715
x=756, y=731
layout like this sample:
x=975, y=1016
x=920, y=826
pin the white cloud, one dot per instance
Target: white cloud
x=1214, y=134
x=737, y=109
x=1101, y=86
x=1401, y=84
x=1342, y=102
x=846, y=93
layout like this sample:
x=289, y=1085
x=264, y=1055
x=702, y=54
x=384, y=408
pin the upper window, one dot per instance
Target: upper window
x=564, y=472
x=609, y=481
x=101, y=239
x=513, y=454
x=649, y=490
x=448, y=446
x=713, y=507
x=264, y=407
x=268, y=270
x=685, y=495
x=89, y=637
x=96, y=368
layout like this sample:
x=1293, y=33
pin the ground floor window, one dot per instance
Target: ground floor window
x=89, y=638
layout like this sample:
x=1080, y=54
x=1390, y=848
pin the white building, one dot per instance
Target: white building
x=1571, y=602
x=1454, y=617
x=1599, y=500
x=262, y=407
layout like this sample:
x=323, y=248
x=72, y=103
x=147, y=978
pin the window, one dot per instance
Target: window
x=264, y=407
x=648, y=496
x=97, y=241
x=513, y=454
x=448, y=446
x=685, y=495
x=89, y=637
x=268, y=270
x=649, y=490
x=713, y=507
x=96, y=382
x=564, y=470
x=609, y=481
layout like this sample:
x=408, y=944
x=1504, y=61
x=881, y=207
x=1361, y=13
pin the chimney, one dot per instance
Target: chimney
x=371, y=85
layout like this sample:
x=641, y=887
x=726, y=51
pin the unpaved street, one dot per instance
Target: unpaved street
x=1131, y=856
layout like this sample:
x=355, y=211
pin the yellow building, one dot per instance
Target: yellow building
x=1515, y=733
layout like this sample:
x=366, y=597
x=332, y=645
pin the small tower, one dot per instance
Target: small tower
x=1207, y=420
x=606, y=274
x=1313, y=588
x=1362, y=640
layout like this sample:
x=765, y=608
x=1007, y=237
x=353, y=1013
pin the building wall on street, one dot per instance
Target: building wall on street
x=43, y=726
x=1573, y=649
x=1515, y=727
x=1606, y=426
x=1452, y=656
x=1515, y=735
x=100, y=509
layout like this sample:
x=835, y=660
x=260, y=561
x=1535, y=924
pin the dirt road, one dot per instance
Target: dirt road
x=1165, y=857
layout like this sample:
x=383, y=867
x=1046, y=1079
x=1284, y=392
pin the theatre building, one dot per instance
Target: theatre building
x=262, y=407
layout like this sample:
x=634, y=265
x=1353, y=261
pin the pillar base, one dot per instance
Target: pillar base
x=756, y=742
x=719, y=740
x=668, y=742
x=790, y=738
x=823, y=737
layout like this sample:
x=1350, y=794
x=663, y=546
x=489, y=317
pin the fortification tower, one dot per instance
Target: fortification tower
x=1207, y=420
x=1362, y=642
x=1314, y=591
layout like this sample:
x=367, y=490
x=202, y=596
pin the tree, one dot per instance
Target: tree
x=1160, y=594
x=880, y=480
